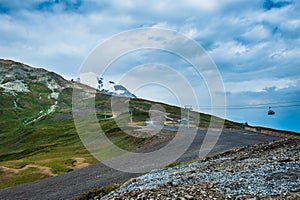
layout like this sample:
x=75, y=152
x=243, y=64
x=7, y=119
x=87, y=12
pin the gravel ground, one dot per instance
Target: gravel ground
x=264, y=171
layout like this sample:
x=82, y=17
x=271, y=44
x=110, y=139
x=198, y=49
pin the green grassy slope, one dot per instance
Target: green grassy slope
x=51, y=146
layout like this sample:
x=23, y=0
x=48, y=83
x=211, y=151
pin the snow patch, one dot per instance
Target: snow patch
x=54, y=95
x=111, y=88
x=119, y=92
x=9, y=75
x=15, y=104
x=43, y=114
x=14, y=87
x=53, y=86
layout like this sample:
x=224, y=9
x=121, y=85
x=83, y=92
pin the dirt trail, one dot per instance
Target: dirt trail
x=79, y=163
x=8, y=173
x=44, y=170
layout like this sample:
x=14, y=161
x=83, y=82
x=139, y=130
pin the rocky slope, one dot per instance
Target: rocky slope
x=27, y=94
x=264, y=171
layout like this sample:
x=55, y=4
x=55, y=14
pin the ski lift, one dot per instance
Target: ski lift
x=271, y=112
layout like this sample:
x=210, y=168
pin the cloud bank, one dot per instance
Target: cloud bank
x=255, y=44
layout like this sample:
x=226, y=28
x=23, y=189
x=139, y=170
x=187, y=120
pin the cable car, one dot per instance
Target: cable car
x=271, y=112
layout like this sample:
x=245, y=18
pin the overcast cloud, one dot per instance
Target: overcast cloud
x=255, y=44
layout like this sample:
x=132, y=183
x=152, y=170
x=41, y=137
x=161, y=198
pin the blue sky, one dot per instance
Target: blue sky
x=255, y=45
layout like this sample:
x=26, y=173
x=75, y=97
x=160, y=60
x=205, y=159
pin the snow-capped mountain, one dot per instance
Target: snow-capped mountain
x=111, y=88
x=104, y=85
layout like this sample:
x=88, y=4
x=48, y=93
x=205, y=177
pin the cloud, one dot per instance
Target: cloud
x=257, y=34
x=255, y=44
x=260, y=85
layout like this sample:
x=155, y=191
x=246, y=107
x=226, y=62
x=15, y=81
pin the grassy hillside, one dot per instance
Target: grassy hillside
x=37, y=141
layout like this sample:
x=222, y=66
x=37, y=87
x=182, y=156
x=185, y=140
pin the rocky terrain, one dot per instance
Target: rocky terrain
x=264, y=171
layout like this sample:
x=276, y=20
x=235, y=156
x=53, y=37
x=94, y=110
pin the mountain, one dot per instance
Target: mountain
x=103, y=85
x=27, y=93
x=111, y=88
x=38, y=137
x=36, y=125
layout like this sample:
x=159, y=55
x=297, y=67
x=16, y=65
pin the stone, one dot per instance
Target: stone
x=296, y=189
x=189, y=197
x=133, y=193
x=174, y=184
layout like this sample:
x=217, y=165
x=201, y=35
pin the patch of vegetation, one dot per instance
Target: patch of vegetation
x=98, y=192
x=173, y=165
x=23, y=176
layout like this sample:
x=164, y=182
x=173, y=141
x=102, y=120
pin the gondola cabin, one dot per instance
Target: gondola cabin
x=271, y=112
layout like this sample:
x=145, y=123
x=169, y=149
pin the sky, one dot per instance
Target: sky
x=254, y=44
